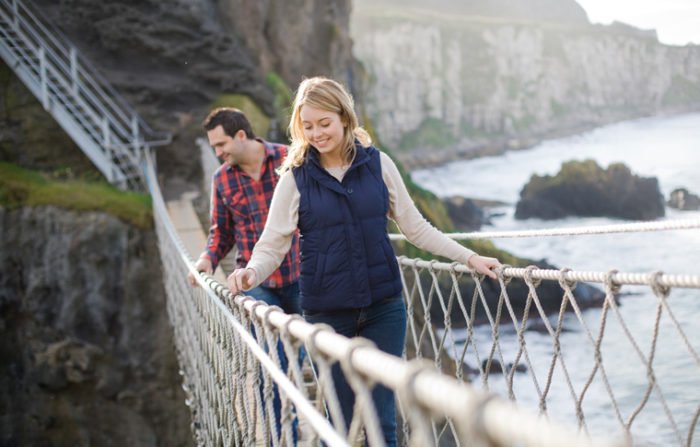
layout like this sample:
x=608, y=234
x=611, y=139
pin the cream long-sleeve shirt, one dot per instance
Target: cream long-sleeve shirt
x=276, y=238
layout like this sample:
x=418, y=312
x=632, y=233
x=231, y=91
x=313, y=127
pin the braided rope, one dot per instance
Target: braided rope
x=685, y=281
x=634, y=227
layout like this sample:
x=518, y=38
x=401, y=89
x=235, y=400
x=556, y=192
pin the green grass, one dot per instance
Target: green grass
x=21, y=187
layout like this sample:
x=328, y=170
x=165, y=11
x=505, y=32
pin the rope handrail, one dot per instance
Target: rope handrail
x=617, y=278
x=634, y=227
x=477, y=416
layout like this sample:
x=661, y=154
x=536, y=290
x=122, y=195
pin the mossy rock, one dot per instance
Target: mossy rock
x=21, y=187
x=258, y=120
x=284, y=97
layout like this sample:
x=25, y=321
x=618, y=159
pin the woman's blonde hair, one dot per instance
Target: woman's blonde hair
x=325, y=94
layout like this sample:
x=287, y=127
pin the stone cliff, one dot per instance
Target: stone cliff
x=444, y=85
x=86, y=353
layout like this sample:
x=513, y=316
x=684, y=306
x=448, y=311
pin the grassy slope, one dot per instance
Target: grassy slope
x=22, y=187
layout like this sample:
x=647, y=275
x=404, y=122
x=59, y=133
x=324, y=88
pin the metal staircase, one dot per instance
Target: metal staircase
x=93, y=114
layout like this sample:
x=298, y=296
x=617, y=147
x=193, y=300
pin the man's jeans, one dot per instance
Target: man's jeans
x=384, y=323
x=287, y=298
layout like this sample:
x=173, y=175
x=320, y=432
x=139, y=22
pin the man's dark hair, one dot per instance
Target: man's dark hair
x=232, y=120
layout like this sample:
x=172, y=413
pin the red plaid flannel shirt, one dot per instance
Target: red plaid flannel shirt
x=239, y=208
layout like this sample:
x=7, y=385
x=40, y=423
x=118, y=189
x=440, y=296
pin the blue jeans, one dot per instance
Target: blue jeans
x=384, y=323
x=287, y=298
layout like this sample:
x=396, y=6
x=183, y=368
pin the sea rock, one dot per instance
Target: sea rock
x=465, y=213
x=582, y=188
x=684, y=200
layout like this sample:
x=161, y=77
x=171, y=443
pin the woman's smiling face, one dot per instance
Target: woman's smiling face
x=324, y=130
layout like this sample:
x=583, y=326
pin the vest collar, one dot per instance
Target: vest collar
x=322, y=176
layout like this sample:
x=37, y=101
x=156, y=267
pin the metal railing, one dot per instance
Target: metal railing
x=96, y=117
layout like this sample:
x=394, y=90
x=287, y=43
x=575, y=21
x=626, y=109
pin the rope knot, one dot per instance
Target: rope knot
x=268, y=311
x=564, y=282
x=355, y=343
x=610, y=283
x=660, y=290
x=311, y=344
x=501, y=272
x=453, y=268
x=528, y=276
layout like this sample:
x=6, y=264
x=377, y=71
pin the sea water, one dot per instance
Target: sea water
x=668, y=149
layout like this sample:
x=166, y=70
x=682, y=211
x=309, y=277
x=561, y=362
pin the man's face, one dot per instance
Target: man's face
x=227, y=148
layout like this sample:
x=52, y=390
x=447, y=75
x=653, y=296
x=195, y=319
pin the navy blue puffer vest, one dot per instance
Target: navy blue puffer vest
x=347, y=261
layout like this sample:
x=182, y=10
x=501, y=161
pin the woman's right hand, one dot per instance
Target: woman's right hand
x=241, y=280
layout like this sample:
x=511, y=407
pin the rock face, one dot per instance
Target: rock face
x=443, y=86
x=585, y=189
x=295, y=38
x=86, y=352
x=173, y=58
x=684, y=200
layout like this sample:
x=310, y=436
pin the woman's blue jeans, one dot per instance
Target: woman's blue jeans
x=384, y=323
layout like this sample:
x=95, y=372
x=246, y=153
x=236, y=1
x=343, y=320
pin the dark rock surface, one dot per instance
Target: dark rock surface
x=86, y=349
x=684, y=200
x=465, y=213
x=173, y=58
x=582, y=188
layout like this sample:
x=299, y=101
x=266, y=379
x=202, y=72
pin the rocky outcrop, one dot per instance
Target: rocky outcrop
x=86, y=349
x=442, y=86
x=684, y=200
x=582, y=188
x=465, y=214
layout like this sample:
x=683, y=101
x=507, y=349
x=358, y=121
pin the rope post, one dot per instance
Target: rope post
x=108, y=147
x=43, y=78
x=135, y=141
x=73, y=56
x=15, y=14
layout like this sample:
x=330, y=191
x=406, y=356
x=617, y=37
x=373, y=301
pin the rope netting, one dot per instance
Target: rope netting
x=569, y=356
x=256, y=376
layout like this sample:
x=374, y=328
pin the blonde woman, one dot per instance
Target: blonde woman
x=338, y=191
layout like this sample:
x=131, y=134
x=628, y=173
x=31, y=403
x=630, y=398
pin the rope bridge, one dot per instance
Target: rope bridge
x=467, y=382
x=232, y=376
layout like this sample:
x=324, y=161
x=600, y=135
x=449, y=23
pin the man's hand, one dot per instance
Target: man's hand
x=240, y=280
x=203, y=264
x=484, y=265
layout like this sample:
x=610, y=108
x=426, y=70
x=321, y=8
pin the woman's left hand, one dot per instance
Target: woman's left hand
x=484, y=265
